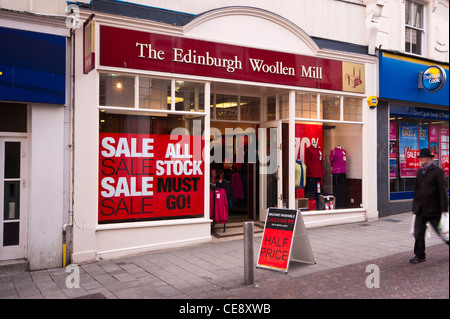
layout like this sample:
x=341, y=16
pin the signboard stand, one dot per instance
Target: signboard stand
x=284, y=239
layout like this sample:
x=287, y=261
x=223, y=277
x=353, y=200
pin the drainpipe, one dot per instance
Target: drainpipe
x=69, y=225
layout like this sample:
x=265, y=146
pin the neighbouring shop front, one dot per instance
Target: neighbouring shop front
x=413, y=114
x=175, y=133
x=34, y=139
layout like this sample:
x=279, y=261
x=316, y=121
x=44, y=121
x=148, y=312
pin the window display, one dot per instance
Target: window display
x=333, y=177
x=148, y=173
x=411, y=129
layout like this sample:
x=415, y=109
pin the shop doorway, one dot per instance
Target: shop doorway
x=13, y=195
x=270, y=168
x=252, y=151
x=234, y=170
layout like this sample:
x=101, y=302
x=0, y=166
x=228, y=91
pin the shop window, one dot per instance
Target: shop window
x=411, y=129
x=154, y=93
x=328, y=166
x=226, y=107
x=271, y=108
x=283, y=106
x=189, y=96
x=330, y=107
x=250, y=108
x=150, y=167
x=117, y=90
x=352, y=109
x=414, y=27
x=306, y=105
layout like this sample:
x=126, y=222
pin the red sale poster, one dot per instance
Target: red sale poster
x=150, y=177
x=276, y=242
x=305, y=136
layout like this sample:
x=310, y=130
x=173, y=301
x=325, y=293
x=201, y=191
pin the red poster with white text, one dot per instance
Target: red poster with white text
x=150, y=177
x=305, y=136
x=276, y=242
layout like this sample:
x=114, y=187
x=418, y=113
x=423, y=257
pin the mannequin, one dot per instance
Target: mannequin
x=338, y=161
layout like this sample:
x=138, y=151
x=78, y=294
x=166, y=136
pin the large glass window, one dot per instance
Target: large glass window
x=151, y=153
x=328, y=168
x=150, y=167
x=118, y=90
x=411, y=129
x=330, y=107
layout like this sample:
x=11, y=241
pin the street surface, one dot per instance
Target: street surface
x=399, y=279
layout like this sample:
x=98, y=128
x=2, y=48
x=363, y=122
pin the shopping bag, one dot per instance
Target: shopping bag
x=427, y=233
x=443, y=226
x=412, y=225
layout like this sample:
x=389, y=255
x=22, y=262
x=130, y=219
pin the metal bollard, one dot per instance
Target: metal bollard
x=249, y=274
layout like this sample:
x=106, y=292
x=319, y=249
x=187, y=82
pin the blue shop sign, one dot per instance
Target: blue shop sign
x=32, y=67
x=401, y=79
x=418, y=112
x=432, y=79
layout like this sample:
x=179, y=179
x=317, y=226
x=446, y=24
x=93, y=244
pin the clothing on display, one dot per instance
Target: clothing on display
x=314, y=171
x=226, y=185
x=339, y=189
x=300, y=174
x=338, y=161
x=218, y=206
x=237, y=186
x=314, y=162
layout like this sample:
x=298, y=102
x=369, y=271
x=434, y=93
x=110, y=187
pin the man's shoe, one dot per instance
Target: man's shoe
x=416, y=260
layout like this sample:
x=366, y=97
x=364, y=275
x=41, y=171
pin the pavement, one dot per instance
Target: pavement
x=349, y=258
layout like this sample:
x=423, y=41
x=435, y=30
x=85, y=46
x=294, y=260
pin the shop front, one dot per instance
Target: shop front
x=33, y=139
x=413, y=114
x=178, y=129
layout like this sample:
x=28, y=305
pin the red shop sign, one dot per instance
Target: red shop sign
x=133, y=49
x=148, y=177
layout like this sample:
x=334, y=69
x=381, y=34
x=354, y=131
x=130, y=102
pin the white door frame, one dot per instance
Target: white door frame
x=14, y=251
x=262, y=160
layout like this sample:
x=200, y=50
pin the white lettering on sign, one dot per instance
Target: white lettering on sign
x=277, y=68
x=122, y=148
x=192, y=58
x=146, y=51
x=125, y=188
x=313, y=72
x=149, y=52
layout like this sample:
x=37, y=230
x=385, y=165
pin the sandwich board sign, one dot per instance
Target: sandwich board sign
x=284, y=239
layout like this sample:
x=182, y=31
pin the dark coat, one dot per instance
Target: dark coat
x=430, y=196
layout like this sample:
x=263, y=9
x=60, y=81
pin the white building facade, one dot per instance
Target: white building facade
x=413, y=111
x=172, y=107
x=35, y=131
x=269, y=80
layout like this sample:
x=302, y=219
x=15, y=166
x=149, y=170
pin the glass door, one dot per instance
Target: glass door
x=270, y=167
x=12, y=198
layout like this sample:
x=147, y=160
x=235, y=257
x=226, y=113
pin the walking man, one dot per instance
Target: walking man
x=430, y=201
